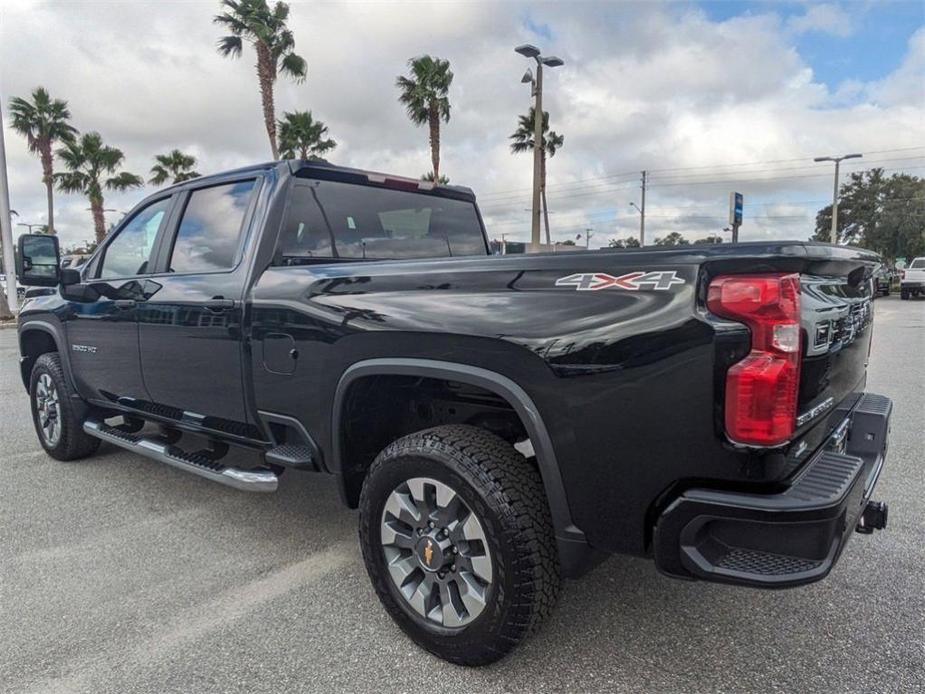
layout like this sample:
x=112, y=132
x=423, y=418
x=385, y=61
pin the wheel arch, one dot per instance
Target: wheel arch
x=575, y=554
x=35, y=339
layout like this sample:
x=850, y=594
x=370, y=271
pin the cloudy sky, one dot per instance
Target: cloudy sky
x=708, y=97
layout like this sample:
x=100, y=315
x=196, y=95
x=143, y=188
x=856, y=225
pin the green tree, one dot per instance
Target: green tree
x=264, y=28
x=425, y=95
x=429, y=176
x=44, y=123
x=92, y=167
x=883, y=213
x=522, y=141
x=173, y=166
x=631, y=242
x=673, y=239
x=708, y=240
x=300, y=134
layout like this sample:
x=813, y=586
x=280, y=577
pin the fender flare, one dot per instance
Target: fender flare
x=570, y=539
x=60, y=342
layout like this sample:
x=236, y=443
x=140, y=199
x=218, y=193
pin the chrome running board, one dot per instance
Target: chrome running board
x=259, y=480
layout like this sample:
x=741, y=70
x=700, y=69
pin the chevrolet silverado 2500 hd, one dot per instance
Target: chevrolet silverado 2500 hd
x=499, y=421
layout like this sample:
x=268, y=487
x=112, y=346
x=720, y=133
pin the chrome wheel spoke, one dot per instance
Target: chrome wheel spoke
x=47, y=409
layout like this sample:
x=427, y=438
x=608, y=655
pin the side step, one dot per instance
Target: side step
x=259, y=480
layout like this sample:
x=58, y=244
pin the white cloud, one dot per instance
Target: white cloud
x=644, y=86
x=825, y=19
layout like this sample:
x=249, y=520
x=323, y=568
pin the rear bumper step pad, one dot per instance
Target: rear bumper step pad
x=786, y=539
x=258, y=480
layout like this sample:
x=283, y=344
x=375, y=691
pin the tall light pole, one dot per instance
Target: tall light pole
x=642, y=220
x=29, y=226
x=6, y=229
x=533, y=52
x=838, y=161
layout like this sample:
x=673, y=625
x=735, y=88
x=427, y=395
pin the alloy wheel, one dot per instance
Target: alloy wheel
x=436, y=552
x=48, y=408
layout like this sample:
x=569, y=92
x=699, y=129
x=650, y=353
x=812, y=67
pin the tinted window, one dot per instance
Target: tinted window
x=128, y=253
x=330, y=219
x=917, y=264
x=207, y=239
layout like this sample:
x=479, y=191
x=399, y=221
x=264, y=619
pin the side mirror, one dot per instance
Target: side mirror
x=69, y=276
x=38, y=261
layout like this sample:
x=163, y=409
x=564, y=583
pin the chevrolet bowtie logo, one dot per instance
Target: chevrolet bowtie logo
x=428, y=552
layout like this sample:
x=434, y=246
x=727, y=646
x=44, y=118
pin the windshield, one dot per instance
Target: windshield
x=917, y=264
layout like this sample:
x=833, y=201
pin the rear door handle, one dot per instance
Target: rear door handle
x=125, y=303
x=219, y=305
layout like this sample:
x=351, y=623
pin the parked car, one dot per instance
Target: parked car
x=912, y=279
x=883, y=278
x=500, y=421
x=20, y=289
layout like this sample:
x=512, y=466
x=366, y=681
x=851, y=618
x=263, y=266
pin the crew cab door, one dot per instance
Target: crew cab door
x=190, y=330
x=102, y=333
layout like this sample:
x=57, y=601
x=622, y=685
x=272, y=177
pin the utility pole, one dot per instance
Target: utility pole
x=529, y=51
x=6, y=229
x=838, y=160
x=642, y=213
x=588, y=234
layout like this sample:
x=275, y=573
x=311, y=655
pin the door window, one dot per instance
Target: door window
x=210, y=230
x=129, y=253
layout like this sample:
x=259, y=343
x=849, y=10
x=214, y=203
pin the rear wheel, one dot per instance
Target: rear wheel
x=59, y=428
x=458, y=542
x=903, y=294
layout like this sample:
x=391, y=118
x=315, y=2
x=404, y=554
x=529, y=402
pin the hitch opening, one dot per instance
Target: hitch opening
x=874, y=517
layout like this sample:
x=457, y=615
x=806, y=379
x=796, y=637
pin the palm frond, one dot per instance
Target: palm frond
x=230, y=46
x=72, y=182
x=294, y=66
x=123, y=181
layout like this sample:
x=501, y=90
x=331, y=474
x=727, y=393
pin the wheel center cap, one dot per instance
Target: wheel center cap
x=429, y=553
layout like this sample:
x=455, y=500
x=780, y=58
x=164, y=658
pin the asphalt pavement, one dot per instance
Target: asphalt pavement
x=120, y=574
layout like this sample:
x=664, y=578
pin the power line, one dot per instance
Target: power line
x=718, y=169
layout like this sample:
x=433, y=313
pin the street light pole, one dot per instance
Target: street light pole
x=838, y=160
x=642, y=213
x=6, y=229
x=529, y=51
x=29, y=226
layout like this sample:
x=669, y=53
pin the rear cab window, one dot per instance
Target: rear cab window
x=331, y=219
x=918, y=264
x=209, y=234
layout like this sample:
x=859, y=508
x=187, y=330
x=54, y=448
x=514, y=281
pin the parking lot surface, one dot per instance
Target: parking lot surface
x=120, y=574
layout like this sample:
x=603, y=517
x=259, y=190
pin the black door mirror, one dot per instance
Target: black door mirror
x=38, y=262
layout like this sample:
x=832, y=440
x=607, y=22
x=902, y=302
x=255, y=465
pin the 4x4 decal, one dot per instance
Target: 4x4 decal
x=633, y=281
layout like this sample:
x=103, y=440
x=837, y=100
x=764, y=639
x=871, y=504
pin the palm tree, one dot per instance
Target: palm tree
x=301, y=134
x=174, y=165
x=266, y=30
x=523, y=142
x=429, y=177
x=425, y=96
x=43, y=121
x=91, y=167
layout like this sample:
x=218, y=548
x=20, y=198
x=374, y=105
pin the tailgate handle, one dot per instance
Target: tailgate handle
x=125, y=303
x=218, y=304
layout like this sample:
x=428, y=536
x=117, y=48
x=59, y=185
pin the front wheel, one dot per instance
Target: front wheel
x=458, y=542
x=56, y=420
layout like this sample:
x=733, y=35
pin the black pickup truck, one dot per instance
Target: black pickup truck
x=500, y=421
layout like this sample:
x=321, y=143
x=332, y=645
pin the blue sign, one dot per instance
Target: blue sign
x=736, y=207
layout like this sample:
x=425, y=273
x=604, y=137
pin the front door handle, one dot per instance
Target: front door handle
x=125, y=303
x=218, y=305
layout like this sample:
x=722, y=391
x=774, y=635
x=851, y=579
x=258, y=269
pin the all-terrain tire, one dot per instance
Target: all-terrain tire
x=71, y=443
x=505, y=493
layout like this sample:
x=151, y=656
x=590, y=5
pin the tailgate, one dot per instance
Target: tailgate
x=837, y=326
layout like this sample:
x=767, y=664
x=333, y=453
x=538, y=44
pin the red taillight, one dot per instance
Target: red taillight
x=762, y=389
x=902, y=274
